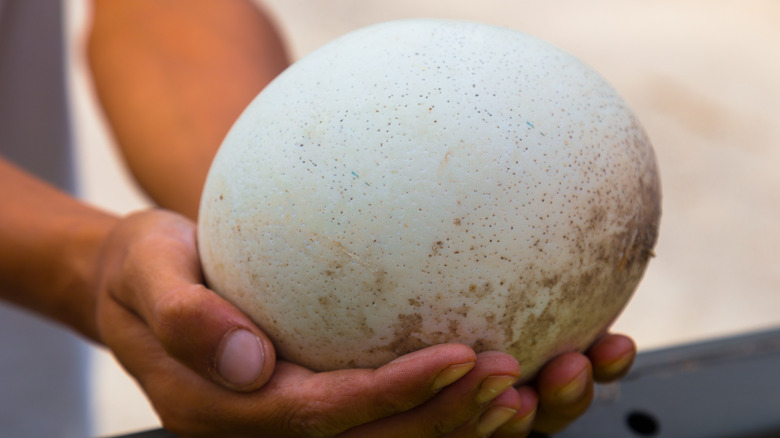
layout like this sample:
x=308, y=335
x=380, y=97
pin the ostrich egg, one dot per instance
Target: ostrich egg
x=427, y=181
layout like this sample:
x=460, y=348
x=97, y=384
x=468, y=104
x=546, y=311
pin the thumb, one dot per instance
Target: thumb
x=156, y=274
x=213, y=338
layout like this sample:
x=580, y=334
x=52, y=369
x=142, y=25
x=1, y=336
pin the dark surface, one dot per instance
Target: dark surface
x=157, y=433
x=718, y=389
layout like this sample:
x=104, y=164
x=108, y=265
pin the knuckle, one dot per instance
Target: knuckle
x=170, y=310
x=176, y=314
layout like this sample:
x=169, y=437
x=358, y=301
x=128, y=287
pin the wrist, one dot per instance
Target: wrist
x=79, y=302
x=49, y=247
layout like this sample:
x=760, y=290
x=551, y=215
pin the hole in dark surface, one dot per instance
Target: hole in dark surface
x=642, y=423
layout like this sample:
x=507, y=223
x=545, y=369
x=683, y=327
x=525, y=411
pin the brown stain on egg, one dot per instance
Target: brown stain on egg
x=478, y=292
x=585, y=298
x=407, y=332
x=436, y=248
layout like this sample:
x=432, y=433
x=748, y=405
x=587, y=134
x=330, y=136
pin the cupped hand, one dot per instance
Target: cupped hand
x=187, y=348
x=563, y=390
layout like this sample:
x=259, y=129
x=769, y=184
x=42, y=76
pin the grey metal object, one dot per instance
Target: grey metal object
x=717, y=389
x=725, y=388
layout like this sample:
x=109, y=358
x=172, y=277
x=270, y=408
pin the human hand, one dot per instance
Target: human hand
x=182, y=342
x=563, y=389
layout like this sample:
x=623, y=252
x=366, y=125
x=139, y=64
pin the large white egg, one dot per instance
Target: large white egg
x=425, y=181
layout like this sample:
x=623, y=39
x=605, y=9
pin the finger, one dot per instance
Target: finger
x=521, y=424
x=612, y=357
x=565, y=388
x=457, y=408
x=160, y=282
x=495, y=416
x=491, y=417
x=340, y=400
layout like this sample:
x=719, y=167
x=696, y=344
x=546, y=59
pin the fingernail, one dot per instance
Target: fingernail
x=451, y=374
x=493, y=419
x=574, y=389
x=617, y=367
x=492, y=387
x=520, y=426
x=241, y=357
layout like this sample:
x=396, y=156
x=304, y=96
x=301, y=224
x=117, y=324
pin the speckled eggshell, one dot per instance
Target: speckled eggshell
x=425, y=181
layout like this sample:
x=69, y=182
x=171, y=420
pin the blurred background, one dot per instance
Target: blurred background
x=702, y=75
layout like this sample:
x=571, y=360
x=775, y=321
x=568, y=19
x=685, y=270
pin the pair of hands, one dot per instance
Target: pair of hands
x=180, y=341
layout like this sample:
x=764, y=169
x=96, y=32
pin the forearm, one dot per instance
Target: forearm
x=172, y=77
x=49, y=244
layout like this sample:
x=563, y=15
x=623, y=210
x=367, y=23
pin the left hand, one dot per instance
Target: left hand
x=563, y=390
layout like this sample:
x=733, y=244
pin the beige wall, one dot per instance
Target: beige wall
x=701, y=75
